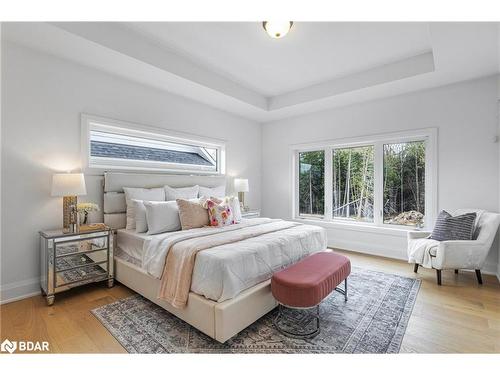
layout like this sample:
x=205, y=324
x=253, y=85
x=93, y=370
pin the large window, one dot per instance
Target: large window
x=312, y=183
x=381, y=180
x=109, y=144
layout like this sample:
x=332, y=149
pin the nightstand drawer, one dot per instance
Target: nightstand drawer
x=68, y=262
x=82, y=274
x=65, y=248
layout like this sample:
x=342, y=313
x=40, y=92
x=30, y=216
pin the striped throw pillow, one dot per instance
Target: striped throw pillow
x=449, y=227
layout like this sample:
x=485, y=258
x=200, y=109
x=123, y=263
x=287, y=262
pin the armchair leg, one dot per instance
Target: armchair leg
x=438, y=274
x=479, y=278
x=415, y=268
x=456, y=271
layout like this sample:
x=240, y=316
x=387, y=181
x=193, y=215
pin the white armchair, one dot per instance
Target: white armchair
x=423, y=251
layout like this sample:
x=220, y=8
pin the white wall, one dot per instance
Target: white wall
x=498, y=122
x=468, y=165
x=42, y=100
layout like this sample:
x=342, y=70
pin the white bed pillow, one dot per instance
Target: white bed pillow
x=155, y=194
x=218, y=191
x=190, y=192
x=234, y=203
x=162, y=217
x=141, y=222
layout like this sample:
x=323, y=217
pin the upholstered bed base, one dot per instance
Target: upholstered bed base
x=220, y=321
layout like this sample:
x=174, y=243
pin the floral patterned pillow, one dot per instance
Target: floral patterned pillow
x=219, y=215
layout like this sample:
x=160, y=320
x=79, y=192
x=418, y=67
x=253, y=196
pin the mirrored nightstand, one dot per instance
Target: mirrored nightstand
x=250, y=214
x=72, y=259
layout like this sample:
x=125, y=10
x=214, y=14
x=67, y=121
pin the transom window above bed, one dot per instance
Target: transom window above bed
x=384, y=180
x=115, y=145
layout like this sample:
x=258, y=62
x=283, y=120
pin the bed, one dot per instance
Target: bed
x=230, y=285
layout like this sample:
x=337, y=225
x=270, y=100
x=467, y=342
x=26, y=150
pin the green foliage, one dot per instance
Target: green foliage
x=353, y=182
x=312, y=183
x=404, y=179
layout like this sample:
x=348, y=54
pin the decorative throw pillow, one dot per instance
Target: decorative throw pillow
x=203, y=201
x=162, y=217
x=219, y=215
x=234, y=203
x=478, y=212
x=192, y=214
x=218, y=191
x=190, y=192
x=155, y=194
x=449, y=227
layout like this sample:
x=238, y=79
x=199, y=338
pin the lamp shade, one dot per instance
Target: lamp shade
x=241, y=185
x=68, y=184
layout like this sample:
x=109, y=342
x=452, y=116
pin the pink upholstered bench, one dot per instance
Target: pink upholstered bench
x=306, y=283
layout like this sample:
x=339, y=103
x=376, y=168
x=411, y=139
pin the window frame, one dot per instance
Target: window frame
x=97, y=123
x=428, y=135
x=308, y=216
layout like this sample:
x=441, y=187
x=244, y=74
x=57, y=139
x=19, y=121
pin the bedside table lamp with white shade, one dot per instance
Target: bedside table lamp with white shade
x=68, y=186
x=241, y=187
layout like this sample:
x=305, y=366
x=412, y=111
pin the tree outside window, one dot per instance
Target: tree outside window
x=404, y=183
x=312, y=183
x=380, y=182
x=353, y=183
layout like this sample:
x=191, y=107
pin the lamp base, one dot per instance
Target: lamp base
x=241, y=198
x=68, y=222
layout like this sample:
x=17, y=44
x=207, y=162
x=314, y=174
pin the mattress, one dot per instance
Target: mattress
x=131, y=243
x=223, y=272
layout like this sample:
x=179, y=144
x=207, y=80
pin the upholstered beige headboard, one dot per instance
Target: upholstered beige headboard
x=114, y=182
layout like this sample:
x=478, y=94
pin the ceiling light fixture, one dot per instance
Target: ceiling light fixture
x=277, y=30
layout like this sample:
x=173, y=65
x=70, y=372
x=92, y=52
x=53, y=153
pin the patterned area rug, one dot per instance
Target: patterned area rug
x=373, y=320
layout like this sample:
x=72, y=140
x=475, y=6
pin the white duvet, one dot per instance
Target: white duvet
x=222, y=272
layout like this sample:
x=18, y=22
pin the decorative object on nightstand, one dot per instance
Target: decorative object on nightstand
x=84, y=209
x=250, y=214
x=69, y=186
x=241, y=187
x=73, y=259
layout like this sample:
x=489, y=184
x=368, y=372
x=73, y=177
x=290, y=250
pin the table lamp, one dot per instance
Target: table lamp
x=241, y=187
x=68, y=186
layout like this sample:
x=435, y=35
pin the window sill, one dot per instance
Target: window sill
x=359, y=227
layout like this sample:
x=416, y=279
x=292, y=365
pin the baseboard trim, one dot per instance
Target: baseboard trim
x=383, y=251
x=19, y=290
x=489, y=269
x=19, y=298
x=359, y=247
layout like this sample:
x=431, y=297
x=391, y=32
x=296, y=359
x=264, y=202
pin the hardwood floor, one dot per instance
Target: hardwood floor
x=458, y=317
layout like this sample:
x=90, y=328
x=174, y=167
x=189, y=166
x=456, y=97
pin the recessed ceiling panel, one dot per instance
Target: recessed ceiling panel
x=311, y=53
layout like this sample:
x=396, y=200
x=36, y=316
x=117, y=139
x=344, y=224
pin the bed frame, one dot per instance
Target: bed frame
x=219, y=320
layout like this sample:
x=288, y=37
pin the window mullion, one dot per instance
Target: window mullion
x=378, y=188
x=328, y=183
